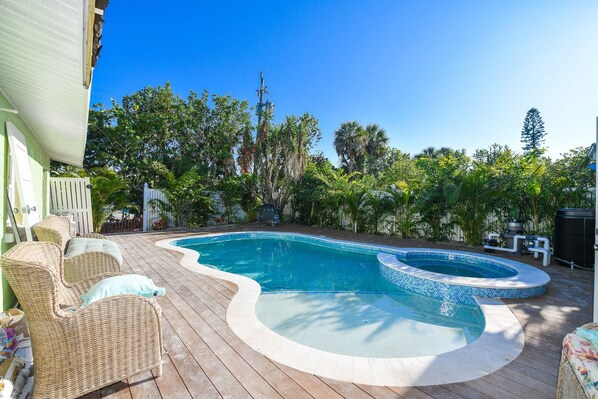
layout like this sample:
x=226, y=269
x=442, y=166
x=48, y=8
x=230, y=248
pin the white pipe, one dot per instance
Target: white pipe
x=496, y=235
x=544, y=249
x=9, y=110
x=536, y=248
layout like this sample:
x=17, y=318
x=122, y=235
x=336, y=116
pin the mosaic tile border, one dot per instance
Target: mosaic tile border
x=449, y=292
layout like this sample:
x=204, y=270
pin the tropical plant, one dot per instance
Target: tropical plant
x=532, y=133
x=201, y=132
x=406, y=215
x=284, y=152
x=248, y=193
x=230, y=195
x=432, y=152
x=309, y=195
x=187, y=199
x=434, y=198
x=187, y=144
x=376, y=205
x=338, y=186
x=470, y=195
x=376, y=145
x=361, y=149
x=350, y=144
x=109, y=191
x=354, y=197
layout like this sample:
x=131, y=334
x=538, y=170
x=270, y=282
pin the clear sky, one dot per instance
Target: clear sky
x=459, y=74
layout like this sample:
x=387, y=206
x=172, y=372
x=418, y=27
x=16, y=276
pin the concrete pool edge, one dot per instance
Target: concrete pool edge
x=500, y=343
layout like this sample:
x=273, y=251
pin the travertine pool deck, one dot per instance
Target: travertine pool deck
x=207, y=360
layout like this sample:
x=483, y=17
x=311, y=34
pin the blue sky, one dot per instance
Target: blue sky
x=460, y=74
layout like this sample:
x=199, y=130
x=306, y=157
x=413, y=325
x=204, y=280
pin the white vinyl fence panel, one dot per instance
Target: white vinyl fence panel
x=72, y=196
x=151, y=213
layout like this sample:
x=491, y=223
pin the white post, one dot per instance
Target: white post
x=596, y=244
x=145, y=210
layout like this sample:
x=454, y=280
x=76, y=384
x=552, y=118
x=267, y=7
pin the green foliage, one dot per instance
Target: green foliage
x=282, y=156
x=200, y=132
x=532, y=133
x=310, y=197
x=230, y=194
x=470, y=192
x=186, y=145
x=188, y=200
x=406, y=222
x=238, y=191
x=438, y=193
x=249, y=198
x=109, y=191
x=360, y=149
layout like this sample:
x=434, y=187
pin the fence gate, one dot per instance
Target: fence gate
x=72, y=195
x=151, y=213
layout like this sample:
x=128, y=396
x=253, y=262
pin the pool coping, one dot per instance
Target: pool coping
x=500, y=343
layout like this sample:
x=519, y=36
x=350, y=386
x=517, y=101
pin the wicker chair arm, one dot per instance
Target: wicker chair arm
x=49, y=235
x=104, y=342
x=122, y=309
x=92, y=235
x=80, y=267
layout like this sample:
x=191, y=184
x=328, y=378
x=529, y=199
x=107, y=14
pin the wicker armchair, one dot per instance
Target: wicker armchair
x=568, y=385
x=80, y=351
x=79, y=266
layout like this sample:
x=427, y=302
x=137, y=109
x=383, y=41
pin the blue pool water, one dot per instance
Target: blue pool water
x=336, y=299
x=457, y=267
x=285, y=265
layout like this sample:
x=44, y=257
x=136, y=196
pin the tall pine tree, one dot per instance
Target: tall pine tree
x=532, y=134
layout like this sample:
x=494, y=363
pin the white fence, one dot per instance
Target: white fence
x=72, y=196
x=387, y=225
x=151, y=213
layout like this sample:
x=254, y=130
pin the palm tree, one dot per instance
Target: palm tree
x=376, y=142
x=108, y=193
x=350, y=144
x=431, y=152
x=354, y=198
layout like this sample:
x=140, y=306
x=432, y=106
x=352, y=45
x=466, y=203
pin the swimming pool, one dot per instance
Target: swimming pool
x=291, y=317
x=337, y=300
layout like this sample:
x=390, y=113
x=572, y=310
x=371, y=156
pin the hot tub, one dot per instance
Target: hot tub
x=459, y=276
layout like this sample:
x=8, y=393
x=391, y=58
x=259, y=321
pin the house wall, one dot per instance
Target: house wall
x=40, y=170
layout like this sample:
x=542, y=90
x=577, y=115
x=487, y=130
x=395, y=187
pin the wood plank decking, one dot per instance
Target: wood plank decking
x=206, y=359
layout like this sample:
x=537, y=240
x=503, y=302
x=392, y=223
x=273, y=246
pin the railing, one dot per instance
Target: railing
x=118, y=225
x=72, y=196
x=151, y=213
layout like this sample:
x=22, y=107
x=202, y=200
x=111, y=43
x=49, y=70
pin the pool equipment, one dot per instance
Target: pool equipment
x=574, y=237
x=266, y=214
x=514, y=227
x=535, y=244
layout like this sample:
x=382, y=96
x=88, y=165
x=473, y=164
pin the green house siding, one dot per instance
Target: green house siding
x=40, y=169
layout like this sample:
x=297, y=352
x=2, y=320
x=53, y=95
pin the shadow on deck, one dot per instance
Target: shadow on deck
x=207, y=360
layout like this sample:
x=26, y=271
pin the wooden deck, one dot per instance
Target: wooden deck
x=206, y=359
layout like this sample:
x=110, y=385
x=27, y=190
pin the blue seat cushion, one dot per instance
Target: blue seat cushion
x=122, y=285
x=78, y=246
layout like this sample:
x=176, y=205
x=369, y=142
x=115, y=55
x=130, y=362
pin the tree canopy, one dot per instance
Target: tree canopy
x=202, y=149
x=532, y=133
